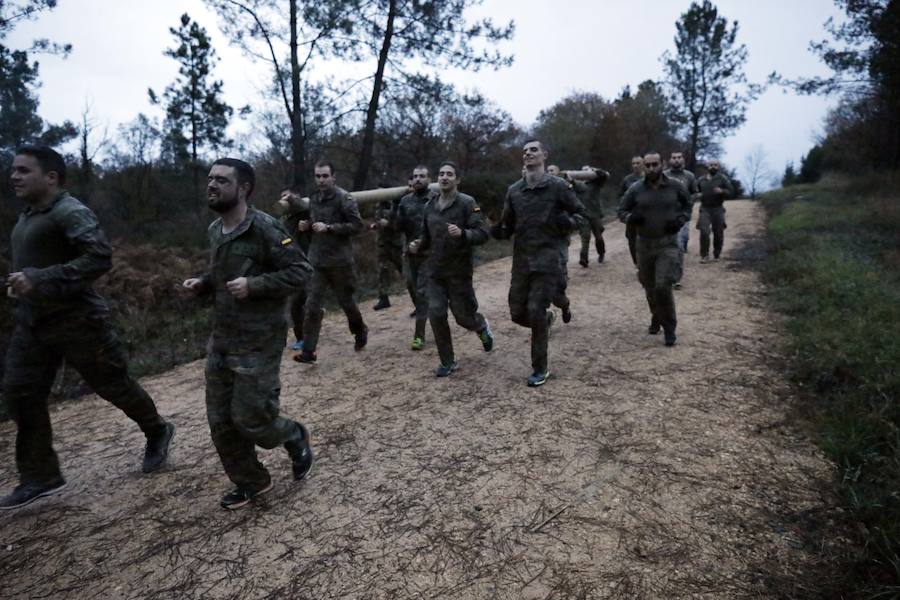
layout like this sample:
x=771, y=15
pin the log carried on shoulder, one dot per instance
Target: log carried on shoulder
x=585, y=174
x=362, y=197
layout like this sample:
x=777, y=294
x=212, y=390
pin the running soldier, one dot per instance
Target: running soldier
x=334, y=219
x=254, y=266
x=389, y=254
x=539, y=211
x=677, y=171
x=592, y=222
x=451, y=227
x=408, y=219
x=58, y=251
x=657, y=206
x=637, y=173
x=715, y=188
x=297, y=210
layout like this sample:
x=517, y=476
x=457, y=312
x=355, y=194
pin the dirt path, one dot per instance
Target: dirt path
x=638, y=471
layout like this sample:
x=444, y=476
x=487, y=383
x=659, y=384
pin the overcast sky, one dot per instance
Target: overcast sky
x=560, y=46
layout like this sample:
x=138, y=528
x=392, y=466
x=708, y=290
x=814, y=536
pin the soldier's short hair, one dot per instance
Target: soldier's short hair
x=325, y=163
x=453, y=165
x=537, y=141
x=418, y=167
x=48, y=158
x=242, y=170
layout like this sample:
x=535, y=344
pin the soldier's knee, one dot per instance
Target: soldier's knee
x=437, y=312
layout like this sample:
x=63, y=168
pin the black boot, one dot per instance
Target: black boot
x=383, y=302
x=158, y=448
x=300, y=453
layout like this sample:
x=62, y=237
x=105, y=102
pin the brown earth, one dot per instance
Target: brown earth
x=638, y=471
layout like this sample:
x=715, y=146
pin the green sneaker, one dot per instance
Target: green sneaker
x=486, y=337
x=417, y=343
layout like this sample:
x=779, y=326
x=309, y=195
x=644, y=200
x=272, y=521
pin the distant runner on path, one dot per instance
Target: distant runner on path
x=657, y=207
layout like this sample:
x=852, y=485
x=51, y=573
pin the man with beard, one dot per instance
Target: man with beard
x=715, y=188
x=407, y=219
x=58, y=251
x=334, y=220
x=637, y=173
x=255, y=265
x=677, y=171
x=539, y=211
x=297, y=210
x=657, y=206
x=452, y=225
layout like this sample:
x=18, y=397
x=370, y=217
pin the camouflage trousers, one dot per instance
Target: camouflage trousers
x=453, y=291
x=712, y=218
x=659, y=266
x=416, y=283
x=390, y=259
x=588, y=226
x=91, y=347
x=242, y=407
x=631, y=236
x=530, y=295
x=297, y=304
x=342, y=282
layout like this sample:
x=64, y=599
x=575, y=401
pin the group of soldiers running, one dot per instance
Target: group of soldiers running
x=257, y=263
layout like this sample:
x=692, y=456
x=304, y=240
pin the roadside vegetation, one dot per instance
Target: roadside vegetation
x=834, y=266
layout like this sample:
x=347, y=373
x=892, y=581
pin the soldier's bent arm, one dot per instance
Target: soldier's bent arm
x=353, y=224
x=627, y=204
x=506, y=227
x=83, y=232
x=290, y=269
x=687, y=205
x=476, y=231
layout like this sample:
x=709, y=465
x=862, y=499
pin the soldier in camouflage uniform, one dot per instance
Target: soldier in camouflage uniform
x=254, y=267
x=297, y=210
x=677, y=171
x=637, y=173
x=452, y=225
x=408, y=219
x=561, y=299
x=334, y=220
x=389, y=254
x=715, y=188
x=592, y=222
x=657, y=207
x=539, y=211
x=58, y=250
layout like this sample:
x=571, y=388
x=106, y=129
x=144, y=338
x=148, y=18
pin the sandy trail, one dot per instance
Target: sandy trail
x=638, y=471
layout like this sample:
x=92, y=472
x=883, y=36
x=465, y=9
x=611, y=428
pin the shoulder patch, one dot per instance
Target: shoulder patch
x=286, y=241
x=477, y=209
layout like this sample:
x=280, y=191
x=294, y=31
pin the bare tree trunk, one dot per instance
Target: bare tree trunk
x=368, y=143
x=298, y=136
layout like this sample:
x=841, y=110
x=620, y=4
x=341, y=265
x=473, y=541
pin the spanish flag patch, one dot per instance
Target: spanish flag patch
x=286, y=241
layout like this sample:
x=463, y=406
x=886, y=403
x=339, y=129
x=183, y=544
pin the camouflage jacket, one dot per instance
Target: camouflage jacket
x=708, y=183
x=589, y=194
x=537, y=217
x=688, y=179
x=386, y=236
x=262, y=251
x=61, y=250
x=629, y=181
x=409, y=214
x=448, y=254
x=295, y=213
x=656, y=211
x=338, y=210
